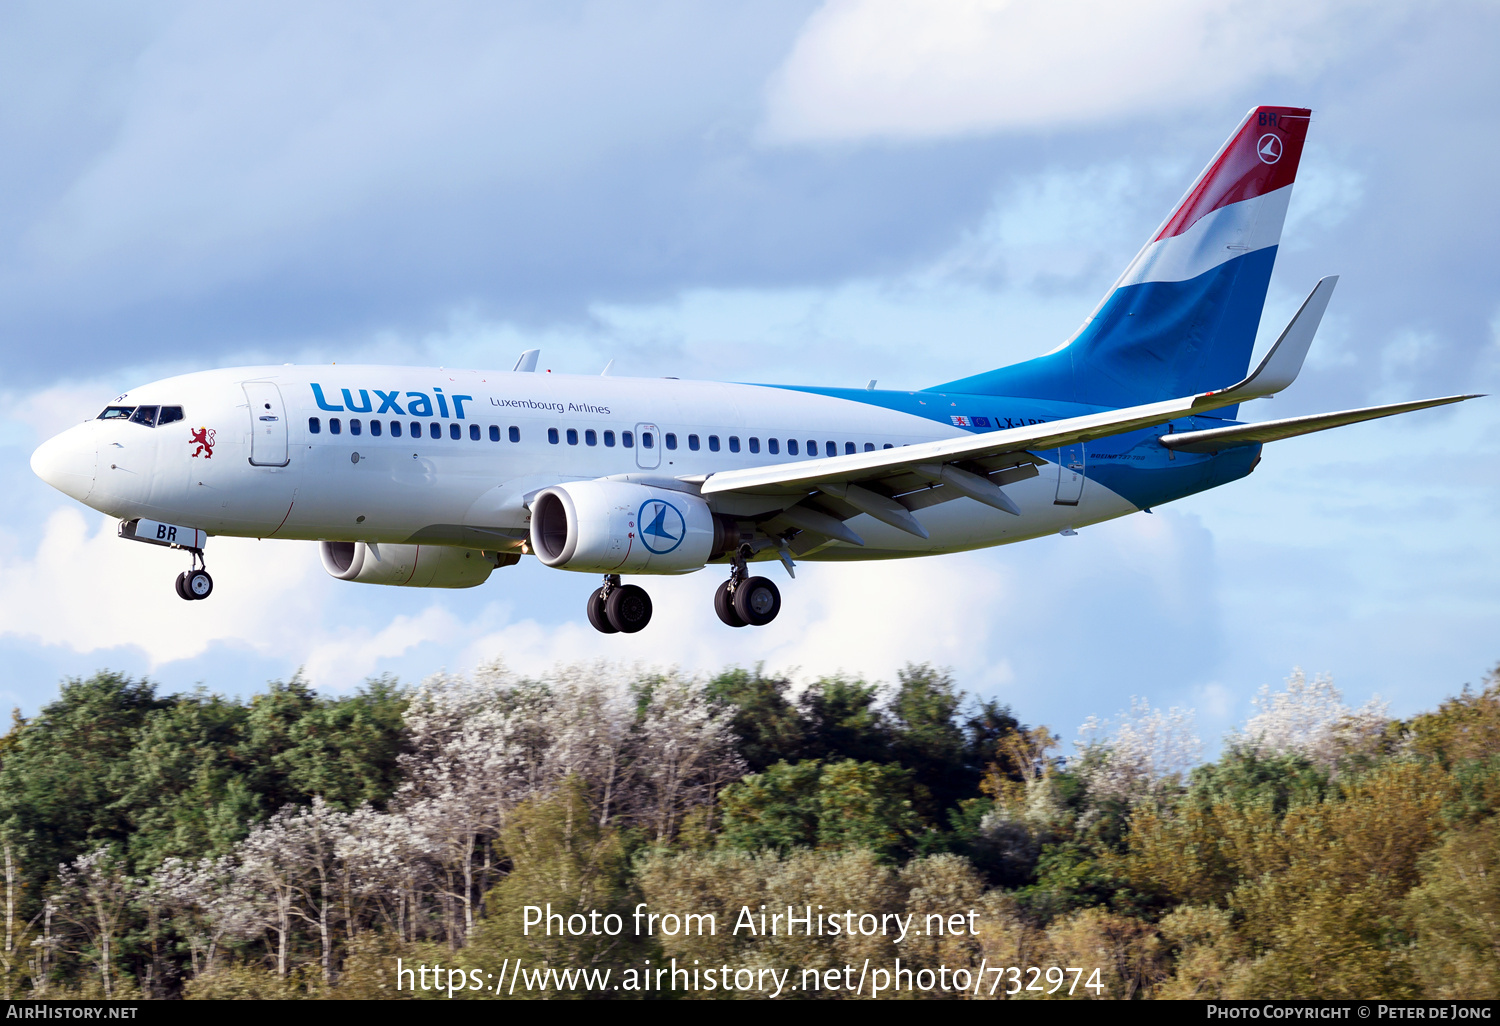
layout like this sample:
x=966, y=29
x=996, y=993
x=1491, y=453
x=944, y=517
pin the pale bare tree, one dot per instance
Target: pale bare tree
x=1309, y=719
x=1144, y=754
x=94, y=893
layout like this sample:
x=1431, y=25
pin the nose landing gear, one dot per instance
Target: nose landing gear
x=195, y=582
x=619, y=608
x=745, y=601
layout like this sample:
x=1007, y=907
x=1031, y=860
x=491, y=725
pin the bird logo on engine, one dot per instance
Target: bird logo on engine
x=665, y=527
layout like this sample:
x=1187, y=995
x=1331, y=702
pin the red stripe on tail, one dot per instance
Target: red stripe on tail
x=1260, y=157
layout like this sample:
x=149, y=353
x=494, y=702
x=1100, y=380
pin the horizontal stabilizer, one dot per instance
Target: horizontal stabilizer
x=1218, y=439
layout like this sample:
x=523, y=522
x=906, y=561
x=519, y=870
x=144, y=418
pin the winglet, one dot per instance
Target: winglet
x=527, y=362
x=1284, y=361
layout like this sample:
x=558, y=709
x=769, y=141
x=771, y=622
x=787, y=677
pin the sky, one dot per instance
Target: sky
x=790, y=192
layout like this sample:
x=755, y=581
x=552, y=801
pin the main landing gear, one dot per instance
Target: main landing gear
x=619, y=608
x=195, y=583
x=746, y=601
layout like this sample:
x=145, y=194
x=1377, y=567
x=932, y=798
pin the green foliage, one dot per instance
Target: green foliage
x=113, y=762
x=1455, y=913
x=842, y=805
x=563, y=864
x=765, y=721
x=842, y=720
x=928, y=738
x=63, y=778
x=346, y=750
x=1265, y=875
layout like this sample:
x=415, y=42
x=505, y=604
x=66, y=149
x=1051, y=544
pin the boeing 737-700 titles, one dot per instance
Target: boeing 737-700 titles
x=434, y=478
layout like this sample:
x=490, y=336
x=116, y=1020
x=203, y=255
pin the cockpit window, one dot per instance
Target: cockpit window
x=117, y=412
x=144, y=415
x=168, y=415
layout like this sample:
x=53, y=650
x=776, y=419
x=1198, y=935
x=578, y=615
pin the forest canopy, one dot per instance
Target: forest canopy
x=297, y=844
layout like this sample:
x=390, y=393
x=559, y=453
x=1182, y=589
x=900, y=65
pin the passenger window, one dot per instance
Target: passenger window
x=887, y=445
x=831, y=448
x=552, y=435
x=314, y=425
x=713, y=443
x=335, y=426
x=169, y=415
x=117, y=413
x=354, y=426
x=609, y=439
x=494, y=432
x=375, y=428
x=515, y=433
x=648, y=440
x=627, y=439
x=395, y=429
x=572, y=436
x=754, y=444
x=591, y=437
x=772, y=446
x=144, y=415
x=869, y=447
x=734, y=443
x=693, y=442
x=670, y=439
x=473, y=432
x=848, y=448
x=812, y=447
x=416, y=429
x=791, y=447
x=454, y=431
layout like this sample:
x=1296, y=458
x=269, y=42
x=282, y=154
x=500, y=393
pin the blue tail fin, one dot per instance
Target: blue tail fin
x=1182, y=318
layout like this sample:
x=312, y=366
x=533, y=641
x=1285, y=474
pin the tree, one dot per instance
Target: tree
x=845, y=805
x=346, y=751
x=927, y=737
x=1456, y=914
x=563, y=862
x=1309, y=720
x=1145, y=755
x=766, y=723
x=93, y=895
x=61, y=781
x=842, y=720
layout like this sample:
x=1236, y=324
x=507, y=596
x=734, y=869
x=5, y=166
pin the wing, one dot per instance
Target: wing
x=818, y=495
x=1218, y=439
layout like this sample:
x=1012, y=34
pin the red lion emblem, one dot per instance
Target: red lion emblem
x=203, y=438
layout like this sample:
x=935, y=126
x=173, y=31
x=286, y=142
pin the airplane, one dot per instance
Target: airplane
x=435, y=478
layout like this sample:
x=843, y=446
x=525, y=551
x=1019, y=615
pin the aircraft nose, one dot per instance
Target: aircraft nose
x=68, y=462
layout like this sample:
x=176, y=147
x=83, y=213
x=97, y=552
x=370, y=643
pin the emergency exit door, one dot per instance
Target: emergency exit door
x=1070, y=474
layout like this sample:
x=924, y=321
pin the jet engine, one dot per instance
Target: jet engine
x=614, y=527
x=410, y=566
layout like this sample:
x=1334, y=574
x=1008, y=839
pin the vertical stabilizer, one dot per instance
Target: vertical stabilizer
x=1182, y=317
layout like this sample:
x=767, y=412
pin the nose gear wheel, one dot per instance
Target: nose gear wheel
x=195, y=583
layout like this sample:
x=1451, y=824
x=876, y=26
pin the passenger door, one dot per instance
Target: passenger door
x=268, y=439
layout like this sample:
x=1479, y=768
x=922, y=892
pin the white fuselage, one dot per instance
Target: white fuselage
x=269, y=474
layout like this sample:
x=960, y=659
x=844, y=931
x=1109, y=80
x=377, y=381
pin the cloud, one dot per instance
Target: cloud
x=888, y=69
x=86, y=589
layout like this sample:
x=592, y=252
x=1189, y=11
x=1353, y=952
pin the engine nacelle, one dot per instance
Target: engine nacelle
x=409, y=566
x=614, y=527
